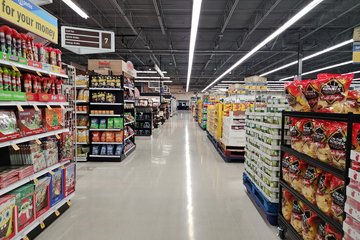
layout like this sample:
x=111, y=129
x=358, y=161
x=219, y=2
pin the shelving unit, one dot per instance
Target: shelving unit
x=349, y=119
x=129, y=114
x=144, y=121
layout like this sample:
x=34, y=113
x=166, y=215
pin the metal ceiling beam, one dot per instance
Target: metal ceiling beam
x=159, y=17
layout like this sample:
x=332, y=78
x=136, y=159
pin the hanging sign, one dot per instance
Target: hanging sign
x=356, y=34
x=356, y=52
x=29, y=16
x=87, y=41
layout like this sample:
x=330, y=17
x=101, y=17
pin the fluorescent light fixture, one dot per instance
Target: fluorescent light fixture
x=320, y=69
x=280, y=30
x=146, y=81
x=224, y=84
x=194, y=28
x=147, y=77
x=232, y=82
x=309, y=57
x=158, y=70
x=148, y=72
x=76, y=8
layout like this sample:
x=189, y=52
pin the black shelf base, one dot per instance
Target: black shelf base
x=108, y=159
x=286, y=231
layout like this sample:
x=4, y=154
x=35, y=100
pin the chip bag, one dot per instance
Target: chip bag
x=309, y=225
x=320, y=141
x=307, y=127
x=332, y=233
x=310, y=89
x=310, y=183
x=286, y=167
x=297, y=141
x=336, y=135
x=356, y=137
x=333, y=90
x=296, y=98
x=297, y=215
x=287, y=205
x=352, y=102
x=323, y=196
x=321, y=231
x=297, y=171
x=337, y=191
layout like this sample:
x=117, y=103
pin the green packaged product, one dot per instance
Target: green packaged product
x=102, y=124
x=24, y=202
x=94, y=123
x=110, y=123
x=118, y=123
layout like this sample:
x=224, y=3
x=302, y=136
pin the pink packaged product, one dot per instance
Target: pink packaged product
x=8, y=182
x=69, y=179
x=352, y=228
x=6, y=173
x=25, y=171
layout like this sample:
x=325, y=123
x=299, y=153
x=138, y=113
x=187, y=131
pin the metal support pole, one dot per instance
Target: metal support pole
x=300, y=59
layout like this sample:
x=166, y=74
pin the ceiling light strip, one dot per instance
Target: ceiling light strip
x=288, y=24
x=76, y=8
x=309, y=57
x=194, y=28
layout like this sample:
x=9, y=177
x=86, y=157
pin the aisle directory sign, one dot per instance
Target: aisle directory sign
x=87, y=41
x=29, y=16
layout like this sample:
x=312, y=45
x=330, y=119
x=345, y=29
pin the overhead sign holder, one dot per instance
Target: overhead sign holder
x=356, y=45
x=87, y=41
x=29, y=16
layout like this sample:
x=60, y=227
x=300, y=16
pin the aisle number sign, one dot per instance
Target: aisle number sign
x=29, y=16
x=356, y=52
x=87, y=41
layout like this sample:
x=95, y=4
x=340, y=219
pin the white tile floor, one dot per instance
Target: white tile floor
x=174, y=186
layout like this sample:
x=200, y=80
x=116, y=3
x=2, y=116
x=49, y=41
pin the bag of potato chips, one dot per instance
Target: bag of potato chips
x=310, y=183
x=323, y=196
x=287, y=205
x=296, y=98
x=297, y=215
x=337, y=191
x=320, y=140
x=297, y=140
x=336, y=135
x=309, y=225
x=310, y=89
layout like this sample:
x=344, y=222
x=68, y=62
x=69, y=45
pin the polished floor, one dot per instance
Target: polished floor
x=174, y=186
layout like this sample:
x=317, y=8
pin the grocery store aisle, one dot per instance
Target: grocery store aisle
x=174, y=186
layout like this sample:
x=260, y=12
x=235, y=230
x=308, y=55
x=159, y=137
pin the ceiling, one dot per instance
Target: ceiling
x=158, y=31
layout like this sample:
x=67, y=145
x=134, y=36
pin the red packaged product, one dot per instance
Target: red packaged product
x=352, y=102
x=356, y=137
x=297, y=215
x=310, y=183
x=297, y=171
x=297, y=141
x=309, y=225
x=287, y=205
x=333, y=90
x=310, y=89
x=286, y=167
x=296, y=98
x=323, y=196
x=332, y=233
x=30, y=122
x=320, y=141
x=336, y=134
x=321, y=231
x=337, y=190
x=307, y=127
x=96, y=136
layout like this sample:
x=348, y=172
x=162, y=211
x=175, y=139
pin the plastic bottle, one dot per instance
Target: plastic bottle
x=27, y=83
x=53, y=56
x=30, y=55
x=13, y=80
x=2, y=39
x=14, y=41
x=58, y=57
x=42, y=53
x=23, y=45
x=1, y=80
x=6, y=79
x=18, y=81
x=47, y=54
x=36, y=52
x=8, y=33
x=18, y=45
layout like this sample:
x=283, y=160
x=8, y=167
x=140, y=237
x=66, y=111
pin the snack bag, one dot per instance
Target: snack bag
x=333, y=90
x=297, y=171
x=94, y=123
x=307, y=127
x=287, y=205
x=297, y=215
x=296, y=98
x=323, y=196
x=96, y=136
x=352, y=102
x=297, y=141
x=309, y=225
x=337, y=191
x=286, y=167
x=321, y=232
x=331, y=233
x=320, y=141
x=356, y=137
x=336, y=134
x=310, y=182
x=310, y=89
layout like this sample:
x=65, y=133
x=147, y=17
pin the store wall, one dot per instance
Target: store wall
x=183, y=96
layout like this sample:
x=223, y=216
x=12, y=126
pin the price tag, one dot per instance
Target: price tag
x=15, y=68
x=62, y=167
x=20, y=108
x=36, y=108
x=57, y=213
x=15, y=147
x=49, y=107
x=42, y=225
x=69, y=203
x=26, y=238
x=62, y=106
x=39, y=74
x=36, y=181
x=57, y=136
x=51, y=172
x=38, y=141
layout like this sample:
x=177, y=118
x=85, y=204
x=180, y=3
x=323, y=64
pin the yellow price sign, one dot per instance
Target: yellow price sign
x=69, y=203
x=20, y=108
x=51, y=172
x=38, y=141
x=26, y=238
x=39, y=74
x=36, y=108
x=62, y=106
x=15, y=147
x=42, y=225
x=36, y=181
x=57, y=136
x=15, y=68
x=57, y=213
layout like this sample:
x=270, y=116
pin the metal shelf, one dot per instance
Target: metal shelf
x=129, y=150
x=143, y=120
x=32, y=103
x=81, y=112
x=314, y=208
x=33, y=137
x=316, y=163
x=31, y=69
x=105, y=115
x=129, y=123
x=289, y=228
x=107, y=104
x=105, y=89
x=107, y=143
x=105, y=130
x=128, y=137
x=104, y=156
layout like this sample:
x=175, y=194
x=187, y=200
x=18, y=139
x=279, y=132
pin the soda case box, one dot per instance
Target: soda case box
x=42, y=196
x=24, y=200
x=8, y=126
x=53, y=118
x=69, y=178
x=30, y=122
x=56, y=186
x=7, y=211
